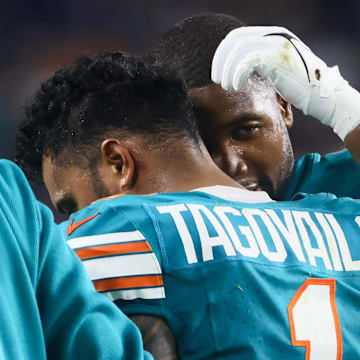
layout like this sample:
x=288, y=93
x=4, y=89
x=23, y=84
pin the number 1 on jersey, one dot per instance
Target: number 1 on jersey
x=314, y=320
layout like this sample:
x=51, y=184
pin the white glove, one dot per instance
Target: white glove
x=297, y=73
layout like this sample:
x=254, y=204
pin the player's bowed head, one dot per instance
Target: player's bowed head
x=112, y=124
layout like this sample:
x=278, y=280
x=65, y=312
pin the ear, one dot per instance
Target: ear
x=116, y=154
x=286, y=111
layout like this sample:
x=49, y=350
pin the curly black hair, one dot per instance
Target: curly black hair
x=107, y=92
x=189, y=46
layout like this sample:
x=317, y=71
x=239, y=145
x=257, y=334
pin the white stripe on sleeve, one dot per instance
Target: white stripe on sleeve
x=149, y=293
x=104, y=239
x=125, y=265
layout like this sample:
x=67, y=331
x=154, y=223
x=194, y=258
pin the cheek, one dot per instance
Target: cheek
x=268, y=151
x=278, y=157
x=275, y=149
x=83, y=191
x=274, y=142
x=224, y=152
x=284, y=143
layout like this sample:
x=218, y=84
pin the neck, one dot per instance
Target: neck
x=180, y=171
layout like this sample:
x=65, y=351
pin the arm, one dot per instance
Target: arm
x=50, y=307
x=78, y=322
x=125, y=265
x=297, y=73
x=352, y=141
x=157, y=336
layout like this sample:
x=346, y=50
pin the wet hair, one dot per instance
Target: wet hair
x=100, y=95
x=189, y=46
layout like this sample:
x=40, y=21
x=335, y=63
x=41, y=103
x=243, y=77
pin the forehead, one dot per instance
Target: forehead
x=213, y=102
x=67, y=182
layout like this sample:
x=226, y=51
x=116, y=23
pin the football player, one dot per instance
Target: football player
x=49, y=308
x=246, y=131
x=205, y=267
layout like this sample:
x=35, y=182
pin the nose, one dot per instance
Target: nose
x=232, y=162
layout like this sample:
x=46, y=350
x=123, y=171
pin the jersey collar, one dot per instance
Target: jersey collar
x=231, y=193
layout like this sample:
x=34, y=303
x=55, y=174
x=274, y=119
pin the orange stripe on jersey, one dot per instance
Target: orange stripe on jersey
x=128, y=282
x=108, y=198
x=115, y=196
x=113, y=249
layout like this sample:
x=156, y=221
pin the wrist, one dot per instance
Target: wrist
x=334, y=102
x=346, y=114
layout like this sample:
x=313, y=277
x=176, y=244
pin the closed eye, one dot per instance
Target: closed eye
x=245, y=131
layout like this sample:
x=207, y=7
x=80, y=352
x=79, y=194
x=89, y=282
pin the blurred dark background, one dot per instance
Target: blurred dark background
x=38, y=37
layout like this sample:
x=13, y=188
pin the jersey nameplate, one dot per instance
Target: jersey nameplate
x=196, y=233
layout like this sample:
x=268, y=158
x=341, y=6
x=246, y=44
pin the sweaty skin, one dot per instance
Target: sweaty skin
x=61, y=182
x=246, y=133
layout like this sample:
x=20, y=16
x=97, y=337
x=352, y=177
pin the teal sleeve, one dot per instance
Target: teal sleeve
x=78, y=322
x=132, y=260
x=20, y=323
x=49, y=306
x=336, y=173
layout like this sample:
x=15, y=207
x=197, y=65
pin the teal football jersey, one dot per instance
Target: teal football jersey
x=49, y=308
x=234, y=274
x=336, y=173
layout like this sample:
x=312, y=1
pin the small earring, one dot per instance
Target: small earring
x=123, y=181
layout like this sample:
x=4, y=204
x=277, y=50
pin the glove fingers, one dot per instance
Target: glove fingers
x=269, y=63
x=234, y=48
x=250, y=64
x=234, y=39
x=259, y=61
x=219, y=59
x=240, y=55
